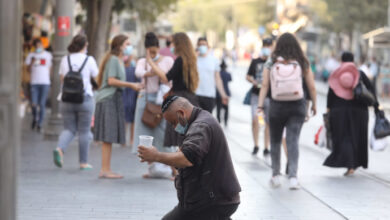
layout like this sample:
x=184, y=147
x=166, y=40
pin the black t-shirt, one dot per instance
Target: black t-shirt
x=176, y=75
x=256, y=71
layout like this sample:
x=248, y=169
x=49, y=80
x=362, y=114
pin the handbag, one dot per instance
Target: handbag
x=382, y=125
x=362, y=94
x=152, y=115
x=247, y=99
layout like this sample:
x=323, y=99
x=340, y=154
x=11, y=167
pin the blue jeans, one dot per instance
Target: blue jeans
x=77, y=120
x=38, y=99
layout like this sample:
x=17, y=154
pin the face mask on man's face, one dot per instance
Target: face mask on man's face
x=202, y=49
x=39, y=49
x=181, y=129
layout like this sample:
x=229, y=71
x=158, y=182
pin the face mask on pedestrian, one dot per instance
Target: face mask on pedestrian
x=266, y=51
x=39, y=49
x=202, y=49
x=156, y=58
x=133, y=63
x=172, y=49
x=181, y=129
x=128, y=50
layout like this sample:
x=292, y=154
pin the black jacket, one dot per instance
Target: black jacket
x=212, y=179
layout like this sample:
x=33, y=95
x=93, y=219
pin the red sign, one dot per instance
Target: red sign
x=63, y=25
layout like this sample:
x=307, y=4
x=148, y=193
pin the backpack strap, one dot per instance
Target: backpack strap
x=82, y=66
x=70, y=66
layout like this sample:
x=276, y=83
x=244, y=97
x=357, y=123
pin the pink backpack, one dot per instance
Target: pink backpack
x=286, y=81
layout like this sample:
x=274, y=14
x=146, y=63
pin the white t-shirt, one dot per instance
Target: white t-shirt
x=207, y=66
x=40, y=70
x=90, y=69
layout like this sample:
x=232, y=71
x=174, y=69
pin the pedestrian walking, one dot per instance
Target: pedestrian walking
x=184, y=77
x=146, y=71
x=39, y=65
x=130, y=96
x=109, y=114
x=204, y=192
x=77, y=116
x=209, y=78
x=226, y=77
x=348, y=117
x=287, y=73
x=255, y=77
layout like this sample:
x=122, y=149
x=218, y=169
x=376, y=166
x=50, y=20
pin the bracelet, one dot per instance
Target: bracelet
x=260, y=107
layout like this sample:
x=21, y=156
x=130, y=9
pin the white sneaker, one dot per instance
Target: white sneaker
x=275, y=181
x=294, y=184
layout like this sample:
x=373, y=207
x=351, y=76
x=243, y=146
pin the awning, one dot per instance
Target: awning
x=378, y=38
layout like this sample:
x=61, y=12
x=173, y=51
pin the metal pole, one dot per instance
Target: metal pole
x=63, y=25
x=10, y=62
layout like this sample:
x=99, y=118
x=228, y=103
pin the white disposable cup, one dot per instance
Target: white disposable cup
x=145, y=140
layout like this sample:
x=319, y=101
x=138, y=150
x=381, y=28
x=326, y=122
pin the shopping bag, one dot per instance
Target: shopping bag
x=378, y=144
x=159, y=170
x=320, y=137
x=382, y=125
x=328, y=132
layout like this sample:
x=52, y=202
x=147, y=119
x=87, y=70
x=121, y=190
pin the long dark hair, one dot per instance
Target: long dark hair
x=288, y=47
x=115, y=50
x=78, y=43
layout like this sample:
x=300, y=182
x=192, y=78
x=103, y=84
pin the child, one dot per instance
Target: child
x=226, y=78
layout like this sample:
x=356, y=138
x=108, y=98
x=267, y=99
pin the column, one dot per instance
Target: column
x=63, y=26
x=10, y=71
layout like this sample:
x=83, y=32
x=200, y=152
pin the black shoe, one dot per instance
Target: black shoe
x=266, y=152
x=33, y=124
x=255, y=150
x=39, y=128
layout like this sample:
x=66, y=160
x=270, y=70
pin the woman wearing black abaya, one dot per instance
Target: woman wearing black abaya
x=348, y=118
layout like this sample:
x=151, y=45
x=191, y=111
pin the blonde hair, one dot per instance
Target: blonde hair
x=184, y=49
x=116, y=44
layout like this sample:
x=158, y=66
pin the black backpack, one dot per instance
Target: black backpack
x=73, y=86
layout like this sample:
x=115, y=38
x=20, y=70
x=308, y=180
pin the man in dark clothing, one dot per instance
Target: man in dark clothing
x=207, y=186
x=255, y=77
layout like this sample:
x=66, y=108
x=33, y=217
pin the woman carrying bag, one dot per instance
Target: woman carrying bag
x=77, y=116
x=348, y=117
x=149, y=96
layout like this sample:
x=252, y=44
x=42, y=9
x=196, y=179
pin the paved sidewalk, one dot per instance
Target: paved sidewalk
x=47, y=192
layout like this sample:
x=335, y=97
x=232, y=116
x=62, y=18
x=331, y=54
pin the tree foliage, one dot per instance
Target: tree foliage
x=349, y=15
x=220, y=15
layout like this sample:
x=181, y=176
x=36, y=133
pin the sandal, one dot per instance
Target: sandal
x=86, y=167
x=57, y=158
x=349, y=172
x=109, y=175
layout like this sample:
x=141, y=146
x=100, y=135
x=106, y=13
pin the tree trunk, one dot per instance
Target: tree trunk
x=91, y=24
x=100, y=34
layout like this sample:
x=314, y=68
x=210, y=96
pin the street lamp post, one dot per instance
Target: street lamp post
x=63, y=35
x=10, y=62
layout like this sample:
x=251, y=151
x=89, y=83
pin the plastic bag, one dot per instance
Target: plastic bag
x=320, y=137
x=159, y=170
x=378, y=144
x=163, y=89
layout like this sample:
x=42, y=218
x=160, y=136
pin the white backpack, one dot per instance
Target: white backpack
x=286, y=81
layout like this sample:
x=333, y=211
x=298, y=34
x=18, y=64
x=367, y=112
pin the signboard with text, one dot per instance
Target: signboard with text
x=63, y=26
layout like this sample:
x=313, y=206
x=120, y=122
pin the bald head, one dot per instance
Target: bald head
x=179, y=107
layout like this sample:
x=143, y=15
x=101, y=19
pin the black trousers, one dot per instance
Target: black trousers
x=206, y=103
x=221, y=106
x=217, y=212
